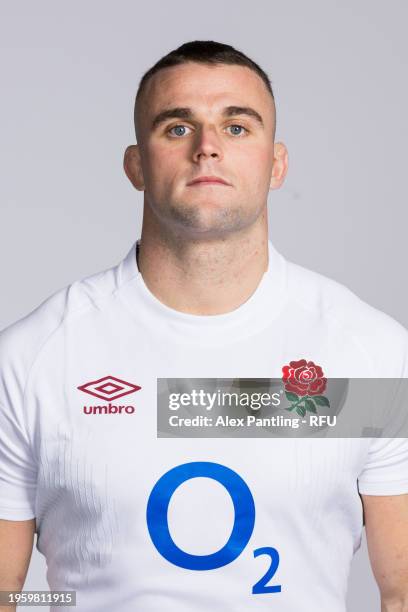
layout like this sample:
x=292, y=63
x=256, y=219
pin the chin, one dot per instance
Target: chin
x=198, y=224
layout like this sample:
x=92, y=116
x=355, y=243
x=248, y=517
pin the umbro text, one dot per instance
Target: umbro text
x=109, y=409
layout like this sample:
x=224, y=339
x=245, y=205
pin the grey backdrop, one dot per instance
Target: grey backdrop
x=69, y=76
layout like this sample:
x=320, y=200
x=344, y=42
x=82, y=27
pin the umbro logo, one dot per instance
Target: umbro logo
x=109, y=388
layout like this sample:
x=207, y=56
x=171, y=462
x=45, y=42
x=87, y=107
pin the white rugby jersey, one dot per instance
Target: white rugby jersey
x=135, y=522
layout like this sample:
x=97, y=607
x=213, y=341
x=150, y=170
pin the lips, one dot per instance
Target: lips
x=208, y=180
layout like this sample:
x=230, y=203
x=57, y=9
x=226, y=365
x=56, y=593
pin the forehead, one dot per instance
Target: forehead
x=206, y=87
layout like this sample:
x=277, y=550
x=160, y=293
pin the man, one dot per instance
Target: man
x=132, y=520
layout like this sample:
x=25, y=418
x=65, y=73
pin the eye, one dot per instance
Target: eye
x=236, y=130
x=178, y=130
x=181, y=130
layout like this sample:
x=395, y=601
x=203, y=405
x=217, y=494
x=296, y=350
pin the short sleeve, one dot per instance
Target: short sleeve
x=386, y=468
x=18, y=472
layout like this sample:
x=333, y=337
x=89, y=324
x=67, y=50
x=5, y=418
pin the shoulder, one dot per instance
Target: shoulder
x=376, y=333
x=23, y=340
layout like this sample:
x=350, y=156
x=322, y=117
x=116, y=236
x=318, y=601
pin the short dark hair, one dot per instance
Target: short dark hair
x=204, y=52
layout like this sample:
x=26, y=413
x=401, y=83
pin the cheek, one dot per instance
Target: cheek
x=161, y=166
x=264, y=156
x=256, y=165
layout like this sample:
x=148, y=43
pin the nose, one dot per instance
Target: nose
x=207, y=145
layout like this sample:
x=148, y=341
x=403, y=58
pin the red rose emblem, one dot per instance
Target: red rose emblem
x=304, y=378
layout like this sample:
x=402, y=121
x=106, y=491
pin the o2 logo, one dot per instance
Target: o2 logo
x=244, y=521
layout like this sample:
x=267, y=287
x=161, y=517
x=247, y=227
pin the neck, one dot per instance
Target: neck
x=204, y=277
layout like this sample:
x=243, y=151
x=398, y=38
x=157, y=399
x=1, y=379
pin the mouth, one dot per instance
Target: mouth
x=207, y=180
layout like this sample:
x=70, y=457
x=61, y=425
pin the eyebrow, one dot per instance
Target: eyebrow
x=186, y=113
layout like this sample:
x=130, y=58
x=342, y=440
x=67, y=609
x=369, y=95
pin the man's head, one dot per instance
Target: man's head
x=205, y=109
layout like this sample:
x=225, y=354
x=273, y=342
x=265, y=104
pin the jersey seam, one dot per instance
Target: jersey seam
x=79, y=311
x=329, y=315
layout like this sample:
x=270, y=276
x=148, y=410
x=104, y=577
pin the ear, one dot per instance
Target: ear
x=280, y=165
x=133, y=167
